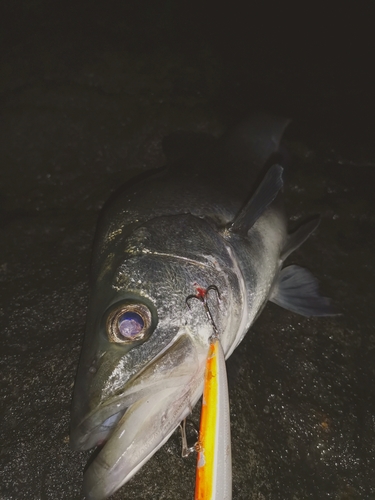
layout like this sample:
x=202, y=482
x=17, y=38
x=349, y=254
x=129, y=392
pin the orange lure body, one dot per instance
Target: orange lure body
x=214, y=462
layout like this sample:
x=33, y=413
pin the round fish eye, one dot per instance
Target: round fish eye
x=128, y=323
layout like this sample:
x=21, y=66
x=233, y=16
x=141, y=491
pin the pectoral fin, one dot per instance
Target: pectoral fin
x=297, y=291
x=262, y=198
x=300, y=236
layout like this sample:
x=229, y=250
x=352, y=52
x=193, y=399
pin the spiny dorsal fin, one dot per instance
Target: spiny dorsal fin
x=261, y=199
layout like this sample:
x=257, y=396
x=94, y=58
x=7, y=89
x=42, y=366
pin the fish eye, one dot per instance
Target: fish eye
x=129, y=323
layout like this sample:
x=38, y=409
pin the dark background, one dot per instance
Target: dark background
x=87, y=91
x=314, y=58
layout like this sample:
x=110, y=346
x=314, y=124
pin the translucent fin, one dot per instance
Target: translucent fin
x=300, y=236
x=297, y=291
x=262, y=198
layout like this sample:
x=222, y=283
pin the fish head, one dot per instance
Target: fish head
x=142, y=364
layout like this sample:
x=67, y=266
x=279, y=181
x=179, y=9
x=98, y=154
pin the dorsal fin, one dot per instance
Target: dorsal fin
x=261, y=199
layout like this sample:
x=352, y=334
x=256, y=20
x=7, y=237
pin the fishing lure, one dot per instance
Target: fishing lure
x=214, y=461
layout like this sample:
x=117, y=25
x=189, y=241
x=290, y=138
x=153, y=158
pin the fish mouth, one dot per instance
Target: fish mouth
x=96, y=428
x=135, y=424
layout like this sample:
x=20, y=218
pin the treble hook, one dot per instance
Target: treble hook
x=186, y=449
x=201, y=295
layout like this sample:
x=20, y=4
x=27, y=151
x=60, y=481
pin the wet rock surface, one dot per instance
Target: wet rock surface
x=87, y=96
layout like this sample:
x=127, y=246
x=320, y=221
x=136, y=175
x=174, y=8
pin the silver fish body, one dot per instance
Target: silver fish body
x=215, y=218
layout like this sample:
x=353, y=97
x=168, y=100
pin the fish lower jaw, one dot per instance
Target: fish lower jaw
x=96, y=436
x=142, y=430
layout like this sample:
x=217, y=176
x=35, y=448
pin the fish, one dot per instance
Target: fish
x=214, y=216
